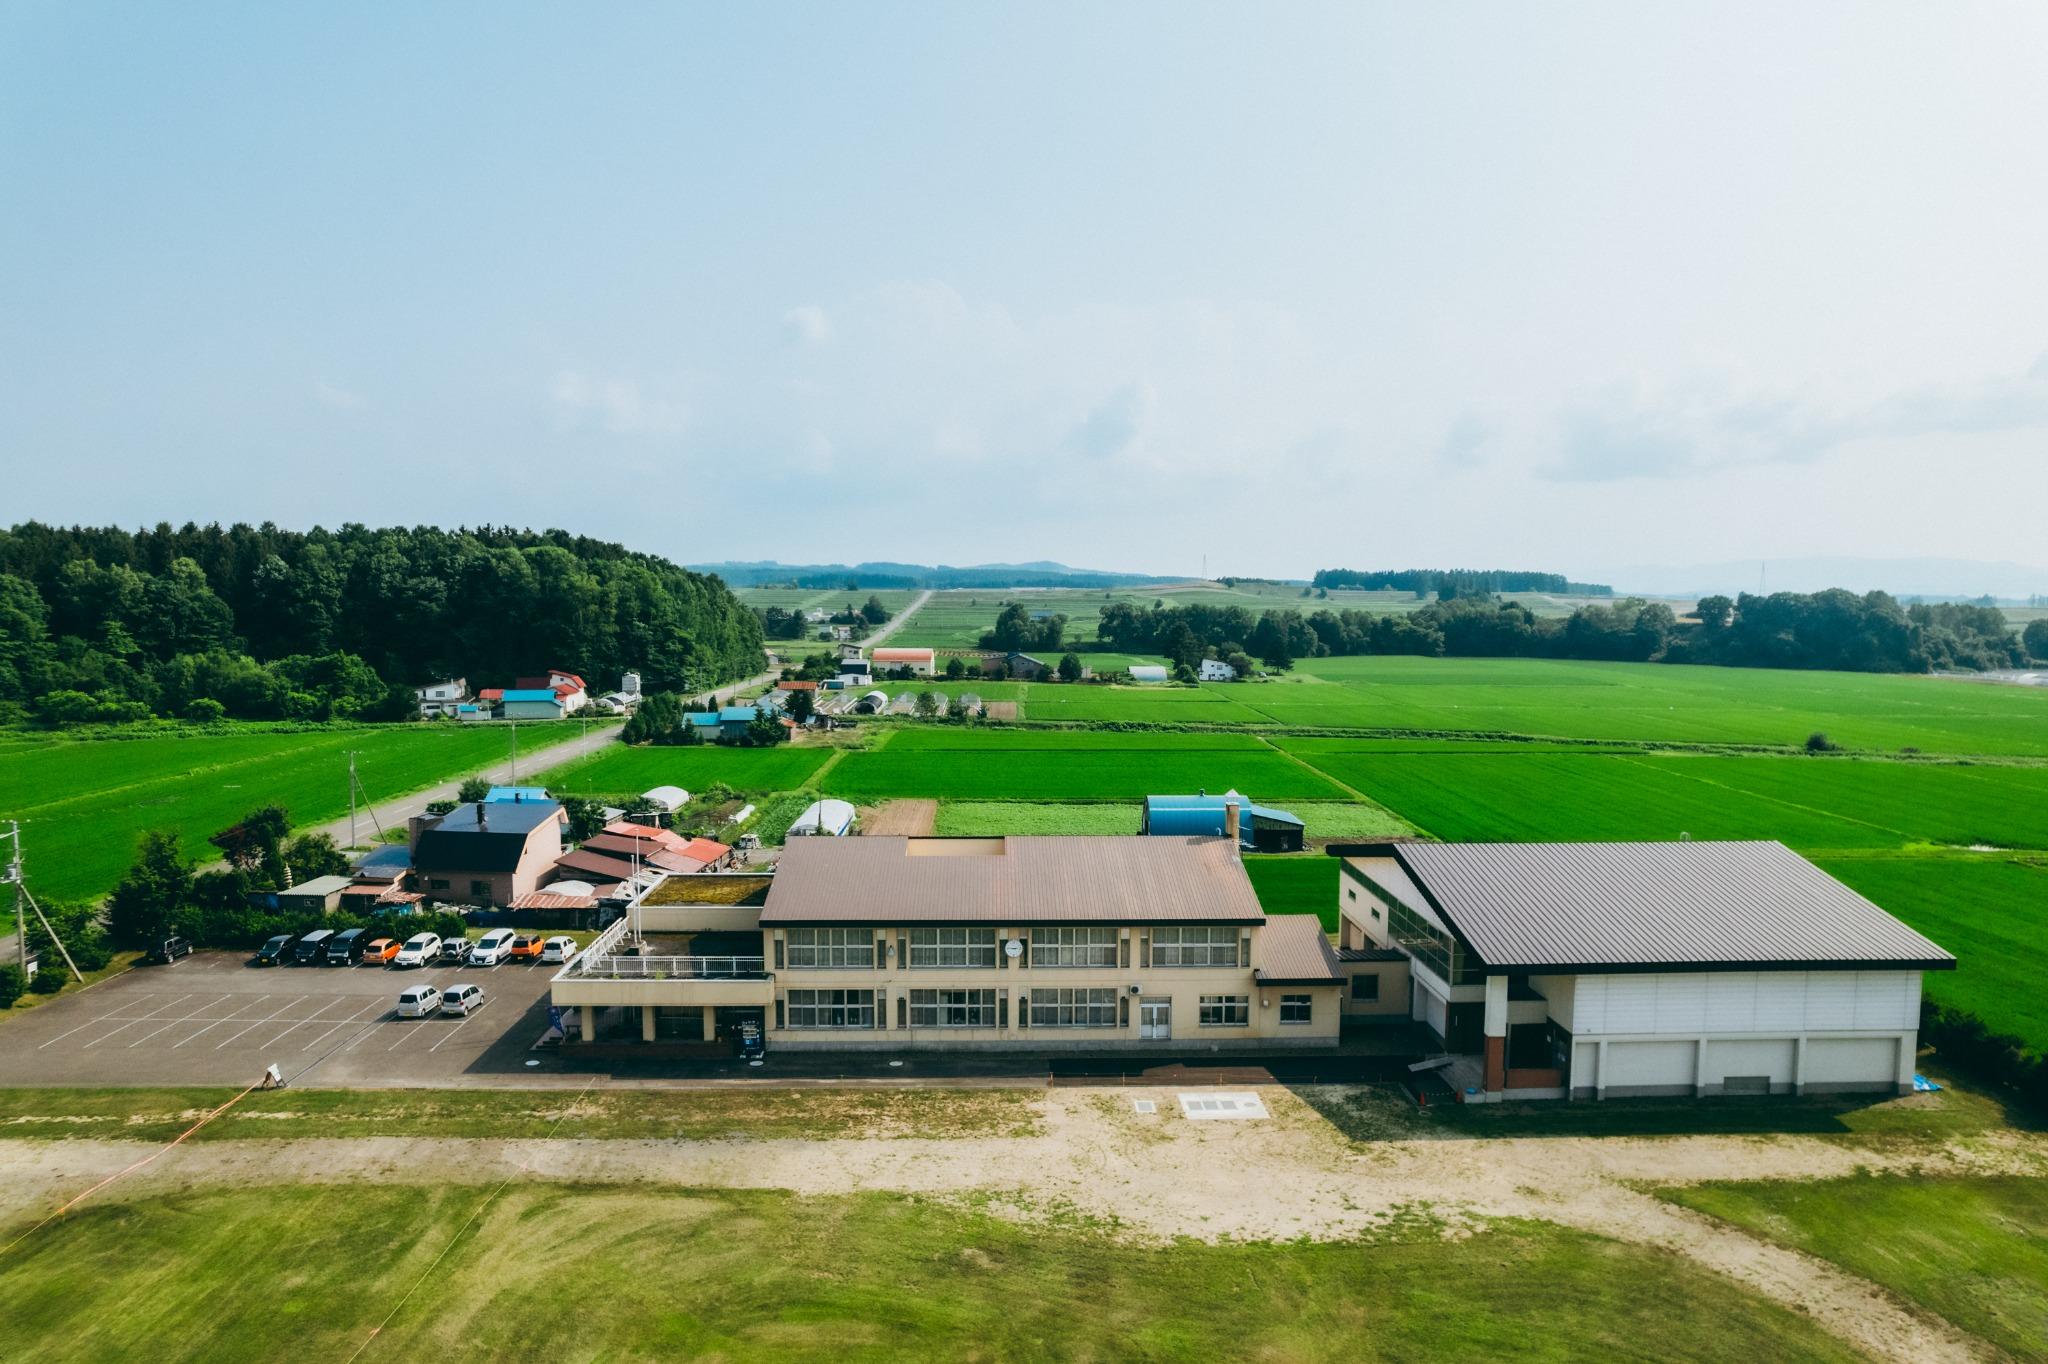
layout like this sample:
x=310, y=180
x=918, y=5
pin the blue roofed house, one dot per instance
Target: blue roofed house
x=1259, y=827
x=531, y=703
x=514, y=795
x=728, y=723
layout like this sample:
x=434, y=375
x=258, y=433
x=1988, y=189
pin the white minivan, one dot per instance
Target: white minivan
x=561, y=947
x=491, y=947
x=462, y=999
x=419, y=1001
x=419, y=949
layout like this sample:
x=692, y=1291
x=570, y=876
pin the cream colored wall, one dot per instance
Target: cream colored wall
x=1184, y=987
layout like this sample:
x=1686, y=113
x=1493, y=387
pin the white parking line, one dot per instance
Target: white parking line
x=231, y=1018
x=451, y=1032
x=133, y=1021
x=261, y=1021
x=172, y=1023
x=309, y=1018
x=113, y=1017
x=374, y=1004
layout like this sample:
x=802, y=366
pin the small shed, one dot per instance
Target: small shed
x=829, y=818
x=874, y=703
x=317, y=896
x=1148, y=672
x=1025, y=667
x=667, y=799
x=531, y=703
x=1259, y=827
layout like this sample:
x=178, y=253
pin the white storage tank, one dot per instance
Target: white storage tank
x=630, y=684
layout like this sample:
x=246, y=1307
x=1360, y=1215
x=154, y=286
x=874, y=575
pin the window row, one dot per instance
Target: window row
x=1090, y=1008
x=972, y=948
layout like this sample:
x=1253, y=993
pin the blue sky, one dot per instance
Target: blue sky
x=1116, y=284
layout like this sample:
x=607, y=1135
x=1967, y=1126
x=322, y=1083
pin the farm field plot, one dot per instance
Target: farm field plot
x=1303, y=883
x=1052, y=765
x=83, y=802
x=620, y=770
x=216, y=1275
x=1973, y=1251
x=1151, y=705
x=1653, y=702
x=1500, y=792
x=824, y=599
x=994, y=818
x=1992, y=912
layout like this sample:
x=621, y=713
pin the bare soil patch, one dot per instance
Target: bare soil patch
x=908, y=818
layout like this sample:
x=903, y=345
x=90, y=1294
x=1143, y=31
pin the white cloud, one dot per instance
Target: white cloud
x=1711, y=424
x=809, y=325
x=617, y=406
x=1117, y=424
x=335, y=396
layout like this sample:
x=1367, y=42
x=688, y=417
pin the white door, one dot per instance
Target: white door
x=1155, y=1018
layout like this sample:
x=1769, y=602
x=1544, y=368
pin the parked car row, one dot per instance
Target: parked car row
x=424, y=1001
x=358, y=947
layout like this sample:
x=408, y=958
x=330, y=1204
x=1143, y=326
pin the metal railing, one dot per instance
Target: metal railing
x=616, y=967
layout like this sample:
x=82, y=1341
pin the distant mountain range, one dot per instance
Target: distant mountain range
x=1041, y=573
x=1946, y=578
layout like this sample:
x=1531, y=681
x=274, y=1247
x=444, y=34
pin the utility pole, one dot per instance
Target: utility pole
x=13, y=875
x=352, y=798
x=515, y=756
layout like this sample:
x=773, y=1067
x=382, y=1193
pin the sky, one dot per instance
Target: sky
x=1131, y=286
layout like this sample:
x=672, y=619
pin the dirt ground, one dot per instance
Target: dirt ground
x=1161, y=1175
x=913, y=818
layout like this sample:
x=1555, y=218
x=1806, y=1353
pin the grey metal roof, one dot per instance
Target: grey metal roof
x=876, y=879
x=1294, y=950
x=1646, y=906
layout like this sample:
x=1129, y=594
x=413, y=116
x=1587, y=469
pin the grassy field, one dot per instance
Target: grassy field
x=1521, y=792
x=1992, y=912
x=620, y=770
x=1047, y=765
x=552, y=1271
x=615, y=1114
x=1299, y=884
x=1974, y=1251
x=84, y=801
x=985, y=819
x=1631, y=702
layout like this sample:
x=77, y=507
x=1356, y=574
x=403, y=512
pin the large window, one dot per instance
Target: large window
x=974, y=947
x=1297, y=1009
x=826, y=947
x=1204, y=946
x=952, y=1008
x=831, y=1008
x=1073, y=947
x=1431, y=946
x=1365, y=987
x=1073, y=1008
x=1226, y=1011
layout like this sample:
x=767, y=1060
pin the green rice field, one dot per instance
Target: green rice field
x=629, y=771
x=83, y=802
x=1992, y=912
x=1050, y=765
x=1296, y=884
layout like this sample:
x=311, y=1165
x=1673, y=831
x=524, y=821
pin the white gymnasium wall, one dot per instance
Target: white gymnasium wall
x=1745, y=1001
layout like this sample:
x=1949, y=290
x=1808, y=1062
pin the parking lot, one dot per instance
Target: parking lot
x=214, y=1019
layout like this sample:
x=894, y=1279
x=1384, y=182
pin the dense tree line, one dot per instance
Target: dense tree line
x=1017, y=629
x=1455, y=582
x=263, y=622
x=1832, y=629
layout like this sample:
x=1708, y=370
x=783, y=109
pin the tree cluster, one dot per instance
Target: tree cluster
x=108, y=624
x=1832, y=629
x=1017, y=630
x=1455, y=582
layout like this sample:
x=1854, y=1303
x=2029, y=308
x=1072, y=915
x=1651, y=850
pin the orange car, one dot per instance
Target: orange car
x=381, y=951
x=526, y=947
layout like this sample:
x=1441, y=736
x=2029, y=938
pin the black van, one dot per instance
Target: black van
x=169, y=950
x=276, y=951
x=313, y=947
x=347, y=947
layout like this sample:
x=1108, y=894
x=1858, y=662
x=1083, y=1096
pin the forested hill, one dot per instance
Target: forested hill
x=248, y=614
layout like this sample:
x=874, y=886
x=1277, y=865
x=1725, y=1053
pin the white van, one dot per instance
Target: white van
x=490, y=949
x=562, y=947
x=419, y=1001
x=419, y=949
x=462, y=999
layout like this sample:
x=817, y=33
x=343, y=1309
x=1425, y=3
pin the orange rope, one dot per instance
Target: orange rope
x=121, y=1174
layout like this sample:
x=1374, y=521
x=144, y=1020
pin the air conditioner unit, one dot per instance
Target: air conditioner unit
x=1134, y=989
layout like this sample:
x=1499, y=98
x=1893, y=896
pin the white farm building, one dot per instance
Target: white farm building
x=1590, y=970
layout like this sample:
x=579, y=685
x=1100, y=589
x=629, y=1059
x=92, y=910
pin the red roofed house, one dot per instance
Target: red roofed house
x=568, y=688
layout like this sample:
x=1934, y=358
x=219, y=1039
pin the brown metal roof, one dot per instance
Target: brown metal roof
x=625, y=845
x=547, y=899
x=1655, y=906
x=1294, y=950
x=878, y=879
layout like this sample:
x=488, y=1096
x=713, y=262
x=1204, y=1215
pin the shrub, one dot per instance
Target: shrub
x=204, y=710
x=1817, y=742
x=12, y=984
x=48, y=979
